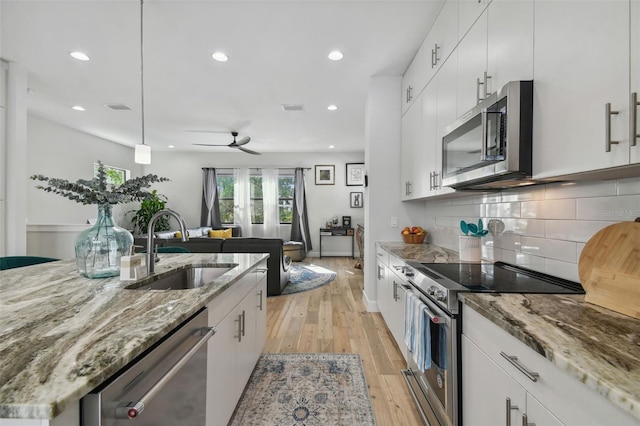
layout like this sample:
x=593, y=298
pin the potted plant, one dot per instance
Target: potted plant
x=152, y=204
x=469, y=244
x=99, y=248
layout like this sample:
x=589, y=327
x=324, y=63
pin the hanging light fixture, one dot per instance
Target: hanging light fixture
x=143, y=152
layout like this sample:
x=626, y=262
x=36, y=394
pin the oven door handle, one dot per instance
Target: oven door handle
x=134, y=409
x=436, y=319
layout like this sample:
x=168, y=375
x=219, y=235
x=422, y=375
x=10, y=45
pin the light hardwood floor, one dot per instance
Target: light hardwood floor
x=333, y=319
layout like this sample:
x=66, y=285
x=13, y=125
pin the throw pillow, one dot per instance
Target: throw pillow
x=222, y=233
x=165, y=234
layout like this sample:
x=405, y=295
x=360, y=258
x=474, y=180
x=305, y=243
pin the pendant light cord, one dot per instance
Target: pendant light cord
x=142, y=65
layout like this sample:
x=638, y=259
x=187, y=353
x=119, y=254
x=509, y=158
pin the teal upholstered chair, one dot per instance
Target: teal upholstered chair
x=10, y=262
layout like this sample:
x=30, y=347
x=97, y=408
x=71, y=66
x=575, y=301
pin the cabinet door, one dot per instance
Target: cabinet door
x=538, y=414
x=396, y=324
x=472, y=64
x=509, y=42
x=469, y=12
x=430, y=166
x=635, y=78
x=486, y=389
x=441, y=40
x=222, y=392
x=381, y=290
x=413, y=81
x=261, y=315
x=410, y=149
x=577, y=71
x=247, y=313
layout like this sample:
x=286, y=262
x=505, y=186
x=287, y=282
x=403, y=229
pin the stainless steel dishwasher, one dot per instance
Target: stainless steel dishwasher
x=165, y=386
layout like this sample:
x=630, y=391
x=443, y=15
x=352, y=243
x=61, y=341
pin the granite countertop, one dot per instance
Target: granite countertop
x=61, y=335
x=599, y=347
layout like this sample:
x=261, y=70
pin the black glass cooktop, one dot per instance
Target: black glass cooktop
x=501, y=277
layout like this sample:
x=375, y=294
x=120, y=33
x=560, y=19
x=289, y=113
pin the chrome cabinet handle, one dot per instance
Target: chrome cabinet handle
x=409, y=95
x=486, y=85
x=408, y=187
x=633, y=119
x=260, y=297
x=244, y=316
x=607, y=140
x=478, y=84
x=380, y=272
x=525, y=421
x=508, y=413
x=134, y=409
x=434, y=55
x=513, y=360
x=240, y=333
x=395, y=291
x=436, y=180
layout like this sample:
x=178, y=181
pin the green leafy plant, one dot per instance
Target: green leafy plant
x=97, y=190
x=151, y=205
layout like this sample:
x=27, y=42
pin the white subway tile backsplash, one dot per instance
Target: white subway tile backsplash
x=579, y=248
x=617, y=209
x=545, y=247
x=503, y=210
x=573, y=230
x=529, y=193
x=629, y=186
x=506, y=241
x=558, y=268
x=529, y=227
x=580, y=189
x=549, y=209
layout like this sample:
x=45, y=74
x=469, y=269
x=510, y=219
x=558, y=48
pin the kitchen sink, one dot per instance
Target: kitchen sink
x=184, y=279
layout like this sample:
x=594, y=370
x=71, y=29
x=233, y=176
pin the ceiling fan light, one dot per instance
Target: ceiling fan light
x=80, y=56
x=78, y=108
x=335, y=55
x=332, y=107
x=143, y=154
x=220, y=56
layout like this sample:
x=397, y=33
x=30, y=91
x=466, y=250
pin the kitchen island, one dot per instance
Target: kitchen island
x=595, y=346
x=61, y=335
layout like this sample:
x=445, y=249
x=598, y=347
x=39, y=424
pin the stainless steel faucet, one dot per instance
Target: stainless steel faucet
x=151, y=261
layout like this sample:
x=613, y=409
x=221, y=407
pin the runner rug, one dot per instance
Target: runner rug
x=306, y=389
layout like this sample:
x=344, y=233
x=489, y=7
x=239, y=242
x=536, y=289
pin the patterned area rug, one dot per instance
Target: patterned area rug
x=305, y=276
x=306, y=390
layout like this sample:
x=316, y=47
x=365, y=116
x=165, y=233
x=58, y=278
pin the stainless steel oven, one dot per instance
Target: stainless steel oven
x=490, y=145
x=164, y=386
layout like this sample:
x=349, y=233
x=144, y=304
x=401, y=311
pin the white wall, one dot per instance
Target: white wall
x=184, y=191
x=545, y=226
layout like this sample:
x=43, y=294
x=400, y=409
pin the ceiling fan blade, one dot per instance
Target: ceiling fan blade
x=243, y=141
x=248, y=151
x=208, y=131
x=208, y=144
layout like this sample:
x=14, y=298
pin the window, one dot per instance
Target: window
x=115, y=175
x=225, y=197
x=257, y=203
x=285, y=198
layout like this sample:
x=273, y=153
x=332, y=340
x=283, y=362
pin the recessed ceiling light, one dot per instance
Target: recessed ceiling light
x=336, y=55
x=78, y=108
x=332, y=107
x=80, y=56
x=331, y=146
x=171, y=146
x=220, y=56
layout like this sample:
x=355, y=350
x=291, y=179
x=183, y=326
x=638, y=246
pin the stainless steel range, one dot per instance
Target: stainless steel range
x=435, y=385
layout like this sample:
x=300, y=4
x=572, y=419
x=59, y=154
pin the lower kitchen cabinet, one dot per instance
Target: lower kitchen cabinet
x=541, y=391
x=234, y=350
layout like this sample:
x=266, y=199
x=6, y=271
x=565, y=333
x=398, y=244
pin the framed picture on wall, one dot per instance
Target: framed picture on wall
x=355, y=174
x=357, y=199
x=325, y=175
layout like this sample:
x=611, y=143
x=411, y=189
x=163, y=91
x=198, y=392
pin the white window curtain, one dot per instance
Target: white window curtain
x=270, y=203
x=242, y=200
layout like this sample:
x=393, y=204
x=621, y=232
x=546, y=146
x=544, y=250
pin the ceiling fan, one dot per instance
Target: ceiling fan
x=235, y=144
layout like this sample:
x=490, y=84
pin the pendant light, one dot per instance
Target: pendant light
x=143, y=152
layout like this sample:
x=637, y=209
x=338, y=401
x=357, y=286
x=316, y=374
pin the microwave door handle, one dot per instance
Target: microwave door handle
x=485, y=137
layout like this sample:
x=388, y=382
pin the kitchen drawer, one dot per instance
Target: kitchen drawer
x=229, y=298
x=564, y=395
x=396, y=264
x=382, y=255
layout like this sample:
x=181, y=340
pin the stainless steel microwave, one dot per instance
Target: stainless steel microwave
x=490, y=145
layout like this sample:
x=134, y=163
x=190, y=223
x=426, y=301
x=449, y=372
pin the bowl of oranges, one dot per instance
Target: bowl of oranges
x=413, y=235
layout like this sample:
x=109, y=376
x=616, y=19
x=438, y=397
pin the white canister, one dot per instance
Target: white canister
x=469, y=248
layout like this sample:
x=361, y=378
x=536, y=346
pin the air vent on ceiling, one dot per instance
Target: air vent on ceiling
x=118, y=107
x=292, y=107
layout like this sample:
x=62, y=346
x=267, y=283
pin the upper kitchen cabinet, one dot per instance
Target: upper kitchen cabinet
x=441, y=40
x=634, y=122
x=497, y=49
x=469, y=12
x=581, y=102
x=411, y=148
x=413, y=81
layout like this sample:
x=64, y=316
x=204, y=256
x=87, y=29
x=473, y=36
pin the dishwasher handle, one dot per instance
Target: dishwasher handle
x=134, y=409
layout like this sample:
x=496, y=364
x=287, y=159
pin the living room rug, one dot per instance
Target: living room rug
x=306, y=389
x=306, y=276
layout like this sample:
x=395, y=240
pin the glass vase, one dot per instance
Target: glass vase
x=99, y=248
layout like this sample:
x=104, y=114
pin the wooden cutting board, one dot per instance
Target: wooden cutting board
x=609, y=268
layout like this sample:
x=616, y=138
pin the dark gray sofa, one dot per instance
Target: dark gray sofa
x=277, y=264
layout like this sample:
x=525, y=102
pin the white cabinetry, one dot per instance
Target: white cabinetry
x=413, y=81
x=542, y=391
x=469, y=11
x=411, y=147
x=496, y=50
x=441, y=40
x=578, y=71
x=239, y=317
x=634, y=127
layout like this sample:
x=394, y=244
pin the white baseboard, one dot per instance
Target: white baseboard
x=371, y=305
